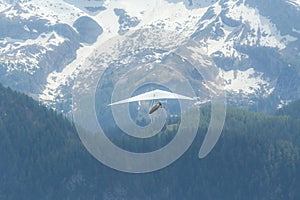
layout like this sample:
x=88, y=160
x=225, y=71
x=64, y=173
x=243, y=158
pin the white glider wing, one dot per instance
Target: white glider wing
x=152, y=95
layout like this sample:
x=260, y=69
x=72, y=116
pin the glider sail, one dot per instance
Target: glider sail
x=153, y=95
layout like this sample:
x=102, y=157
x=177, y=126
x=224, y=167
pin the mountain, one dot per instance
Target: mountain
x=254, y=44
x=35, y=43
x=41, y=157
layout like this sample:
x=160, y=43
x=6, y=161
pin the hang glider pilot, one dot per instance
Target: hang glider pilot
x=155, y=107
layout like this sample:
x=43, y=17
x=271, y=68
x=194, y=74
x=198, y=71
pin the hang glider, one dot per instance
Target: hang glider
x=153, y=95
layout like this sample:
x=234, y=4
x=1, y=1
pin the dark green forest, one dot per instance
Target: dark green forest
x=41, y=157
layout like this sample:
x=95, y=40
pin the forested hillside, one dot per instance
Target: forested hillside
x=41, y=157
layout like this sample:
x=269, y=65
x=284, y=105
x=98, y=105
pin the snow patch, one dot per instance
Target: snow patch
x=56, y=79
x=14, y=52
x=283, y=103
x=245, y=82
x=3, y=6
x=53, y=10
x=270, y=35
x=259, y=30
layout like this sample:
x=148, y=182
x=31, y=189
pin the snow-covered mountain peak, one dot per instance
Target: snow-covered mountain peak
x=50, y=40
x=237, y=22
